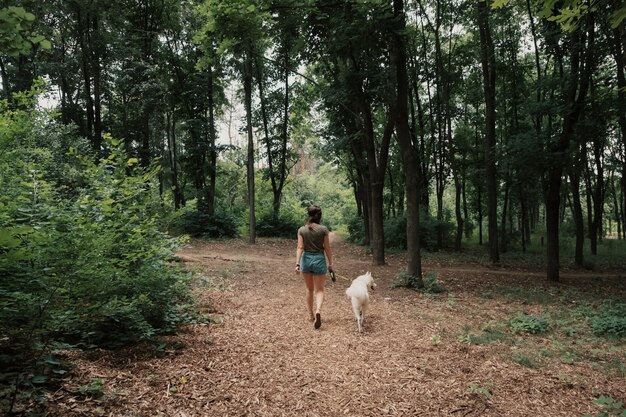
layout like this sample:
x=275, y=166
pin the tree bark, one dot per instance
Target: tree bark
x=96, y=45
x=489, y=85
x=247, y=86
x=409, y=152
x=210, y=193
x=577, y=213
x=578, y=82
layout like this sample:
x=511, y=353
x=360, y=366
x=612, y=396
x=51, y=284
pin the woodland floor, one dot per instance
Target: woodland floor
x=419, y=355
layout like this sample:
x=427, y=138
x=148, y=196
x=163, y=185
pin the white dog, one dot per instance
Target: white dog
x=357, y=292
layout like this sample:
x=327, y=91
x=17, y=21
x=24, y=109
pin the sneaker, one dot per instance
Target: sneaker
x=318, y=320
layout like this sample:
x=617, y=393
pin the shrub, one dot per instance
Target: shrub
x=610, y=321
x=283, y=226
x=395, y=233
x=199, y=224
x=87, y=266
x=356, y=231
x=528, y=324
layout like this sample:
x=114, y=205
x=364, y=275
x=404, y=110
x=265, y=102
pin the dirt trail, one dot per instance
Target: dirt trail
x=262, y=356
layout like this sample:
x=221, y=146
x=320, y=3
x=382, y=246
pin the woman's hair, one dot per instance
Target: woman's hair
x=315, y=215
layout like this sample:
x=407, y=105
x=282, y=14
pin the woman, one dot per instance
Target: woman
x=313, y=249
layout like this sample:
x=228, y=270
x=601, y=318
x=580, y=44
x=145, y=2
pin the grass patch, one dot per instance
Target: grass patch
x=524, y=360
x=534, y=295
x=524, y=323
x=610, y=320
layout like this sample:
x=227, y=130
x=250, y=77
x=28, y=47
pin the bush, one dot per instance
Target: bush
x=356, y=231
x=529, y=324
x=430, y=227
x=198, y=224
x=282, y=226
x=88, y=265
x=610, y=321
x=395, y=233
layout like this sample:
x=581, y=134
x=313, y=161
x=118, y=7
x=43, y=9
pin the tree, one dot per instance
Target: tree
x=487, y=54
x=238, y=30
x=409, y=150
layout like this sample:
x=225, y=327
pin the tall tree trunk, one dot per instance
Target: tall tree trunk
x=409, y=152
x=173, y=157
x=577, y=213
x=210, y=194
x=83, y=36
x=266, y=132
x=247, y=86
x=376, y=173
x=523, y=217
x=505, y=209
x=282, y=176
x=96, y=45
x=619, y=42
x=597, y=195
x=489, y=84
x=578, y=82
x=457, y=210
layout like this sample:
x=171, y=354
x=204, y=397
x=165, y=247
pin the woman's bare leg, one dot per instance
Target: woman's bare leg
x=310, y=288
x=318, y=285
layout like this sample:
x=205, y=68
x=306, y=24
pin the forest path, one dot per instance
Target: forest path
x=262, y=357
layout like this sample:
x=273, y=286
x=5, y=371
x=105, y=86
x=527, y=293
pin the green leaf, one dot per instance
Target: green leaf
x=496, y=4
x=618, y=16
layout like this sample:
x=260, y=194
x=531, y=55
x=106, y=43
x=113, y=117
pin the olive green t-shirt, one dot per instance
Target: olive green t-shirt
x=313, y=239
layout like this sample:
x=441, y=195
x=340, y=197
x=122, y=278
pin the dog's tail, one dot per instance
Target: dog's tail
x=349, y=293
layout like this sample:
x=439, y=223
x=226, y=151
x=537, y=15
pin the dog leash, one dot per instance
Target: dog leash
x=334, y=276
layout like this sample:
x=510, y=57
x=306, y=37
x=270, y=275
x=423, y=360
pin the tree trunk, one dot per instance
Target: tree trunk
x=489, y=84
x=409, y=153
x=619, y=43
x=97, y=72
x=577, y=213
x=173, y=157
x=210, y=193
x=459, y=216
x=266, y=139
x=377, y=175
x=83, y=30
x=598, y=195
x=247, y=86
x=574, y=104
x=505, y=210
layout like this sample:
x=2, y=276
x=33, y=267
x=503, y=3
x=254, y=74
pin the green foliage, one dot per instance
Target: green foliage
x=480, y=390
x=199, y=224
x=430, y=227
x=282, y=226
x=610, y=407
x=610, y=320
x=16, y=37
x=524, y=360
x=524, y=323
x=431, y=285
x=356, y=231
x=395, y=233
x=88, y=265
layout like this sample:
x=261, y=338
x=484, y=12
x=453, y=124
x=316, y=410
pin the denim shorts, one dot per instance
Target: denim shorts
x=313, y=263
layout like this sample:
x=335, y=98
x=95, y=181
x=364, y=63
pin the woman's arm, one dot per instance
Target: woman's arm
x=329, y=252
x=299, y=251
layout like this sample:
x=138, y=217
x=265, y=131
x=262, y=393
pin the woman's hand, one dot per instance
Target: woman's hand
x=297, y=268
